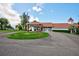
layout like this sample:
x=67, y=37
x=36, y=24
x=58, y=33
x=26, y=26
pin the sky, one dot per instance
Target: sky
x=42, y=12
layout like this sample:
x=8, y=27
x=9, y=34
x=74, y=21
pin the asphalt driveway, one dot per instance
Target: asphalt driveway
x=57, y=44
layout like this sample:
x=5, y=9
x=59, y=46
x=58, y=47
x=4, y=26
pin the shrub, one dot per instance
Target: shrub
x=77, y=31
x=65, y=31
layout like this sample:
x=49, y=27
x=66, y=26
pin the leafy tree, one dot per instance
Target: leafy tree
x=72, y=29
x=77, y=31
x=4, y=24
x=78, y=28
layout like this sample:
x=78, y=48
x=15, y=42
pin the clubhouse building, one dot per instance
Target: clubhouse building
x=39, y=26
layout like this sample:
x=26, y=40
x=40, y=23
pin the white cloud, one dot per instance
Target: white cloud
x=32, y=18
x=29, y=10
x=7, y=12
x=37, y=7
x=36, y=18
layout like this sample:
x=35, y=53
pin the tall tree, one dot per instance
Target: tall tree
x=25, y=21
x=4, y=24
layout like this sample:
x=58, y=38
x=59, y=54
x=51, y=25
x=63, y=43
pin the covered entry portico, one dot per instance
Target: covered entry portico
x=45, y=27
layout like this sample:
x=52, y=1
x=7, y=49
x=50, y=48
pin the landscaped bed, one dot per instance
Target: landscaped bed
x=23, y=35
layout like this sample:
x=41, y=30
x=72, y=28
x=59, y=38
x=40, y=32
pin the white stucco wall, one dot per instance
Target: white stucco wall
x=47, y=29
x=32, y=28
x=59, y=29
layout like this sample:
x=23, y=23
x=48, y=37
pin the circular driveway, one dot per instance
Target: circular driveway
x=57, y=44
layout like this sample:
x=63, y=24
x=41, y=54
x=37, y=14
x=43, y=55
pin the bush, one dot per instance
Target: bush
x=77, y=31
x=65, y=31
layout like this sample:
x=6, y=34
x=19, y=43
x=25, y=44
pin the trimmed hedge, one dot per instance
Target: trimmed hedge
x=77, y=31
x=65, y=31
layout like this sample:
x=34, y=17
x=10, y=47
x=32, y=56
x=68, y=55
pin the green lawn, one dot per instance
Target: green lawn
x=23, y=35
x=7, y=30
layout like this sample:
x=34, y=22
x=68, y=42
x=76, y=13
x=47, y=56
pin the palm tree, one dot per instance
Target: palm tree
x=25, y=21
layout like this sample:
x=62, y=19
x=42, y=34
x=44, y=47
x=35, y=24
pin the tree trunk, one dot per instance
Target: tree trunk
x=71, y=31
x=28, y=27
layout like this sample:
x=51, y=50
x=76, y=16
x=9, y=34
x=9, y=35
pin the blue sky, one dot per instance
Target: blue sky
x=49, y=12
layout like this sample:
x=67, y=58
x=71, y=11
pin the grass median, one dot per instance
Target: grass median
x=23, y=35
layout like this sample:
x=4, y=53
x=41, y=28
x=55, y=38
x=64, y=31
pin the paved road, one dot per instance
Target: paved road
x=57, y=44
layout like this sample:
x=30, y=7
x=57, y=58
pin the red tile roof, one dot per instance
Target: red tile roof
x=60, y=25
x=54, y=25
x=42, y=24
x=47, y=24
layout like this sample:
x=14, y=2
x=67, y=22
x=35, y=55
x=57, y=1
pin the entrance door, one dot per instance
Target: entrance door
x=47, y=29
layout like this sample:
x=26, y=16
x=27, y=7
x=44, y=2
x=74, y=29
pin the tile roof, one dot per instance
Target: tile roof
x=60, y=25
x=42, y=24
x=54, y=25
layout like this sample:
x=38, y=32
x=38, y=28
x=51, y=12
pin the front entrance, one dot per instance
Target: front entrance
x=47, y=29
x=38, y=29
